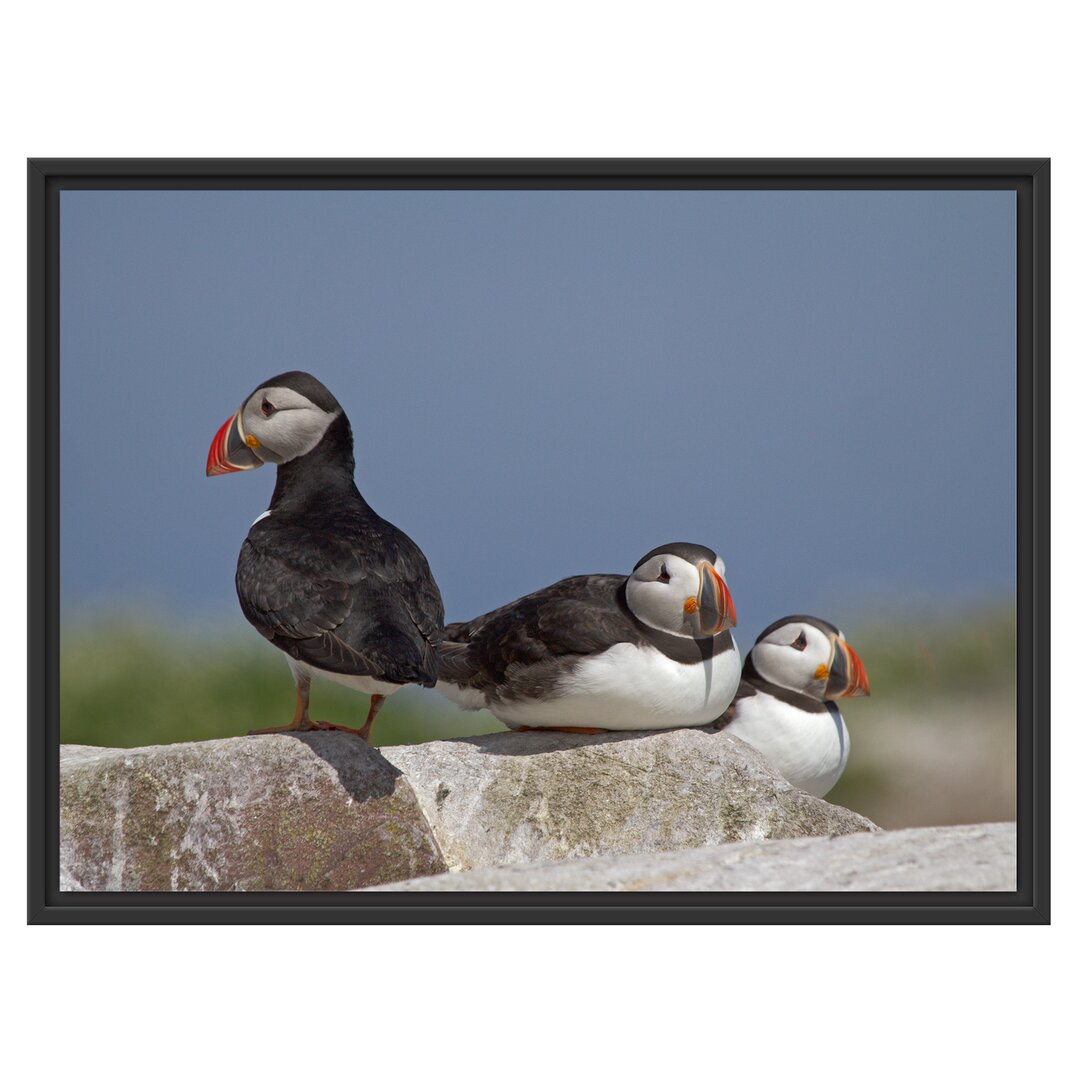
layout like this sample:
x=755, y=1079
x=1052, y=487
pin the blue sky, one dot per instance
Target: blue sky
x=819, y=385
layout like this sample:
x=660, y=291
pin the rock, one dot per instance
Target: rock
x=325, y=811
x=961, y=857
x=313, y=811
x=523, y=797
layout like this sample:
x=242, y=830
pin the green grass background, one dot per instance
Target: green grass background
x=125, y=683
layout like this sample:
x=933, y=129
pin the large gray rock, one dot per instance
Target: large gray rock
x=324, y=811
x=963, y=857
x=523, y=797
x=315, y=811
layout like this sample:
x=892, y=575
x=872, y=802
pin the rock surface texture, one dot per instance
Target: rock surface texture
x=960, y=857
x=316, y=811
x=495, y=800
x=324, y=811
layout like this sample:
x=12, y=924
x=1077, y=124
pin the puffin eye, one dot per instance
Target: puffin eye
x=800, y=642
x=267, y=408
x=664, y=576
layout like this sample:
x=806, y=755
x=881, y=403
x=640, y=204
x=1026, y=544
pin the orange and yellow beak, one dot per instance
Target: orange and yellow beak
x=847, y=676
x=229, y=452
x=712, y=610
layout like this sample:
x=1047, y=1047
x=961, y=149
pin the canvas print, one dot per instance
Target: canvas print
x=538, y=540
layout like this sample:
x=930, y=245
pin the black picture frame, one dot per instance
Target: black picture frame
x=1028, y=177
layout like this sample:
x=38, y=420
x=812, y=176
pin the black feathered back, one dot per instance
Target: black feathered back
x=342, y=589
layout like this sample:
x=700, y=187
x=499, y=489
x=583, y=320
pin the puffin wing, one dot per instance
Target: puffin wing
x=342, y=603
x=379, y=637
x=575, y=617
x=282, y=599
x=405, y=570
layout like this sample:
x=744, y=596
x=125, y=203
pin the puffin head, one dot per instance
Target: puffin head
x=810, y=656
x=680, y=589
x=281, y=419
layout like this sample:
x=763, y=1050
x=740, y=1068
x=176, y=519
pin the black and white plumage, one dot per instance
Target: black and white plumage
x=604, y=651
x=343, y=593
x=785, y=706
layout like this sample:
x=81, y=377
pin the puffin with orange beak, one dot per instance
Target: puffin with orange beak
x=604, y=652
x=785, y=706
x=343, y=593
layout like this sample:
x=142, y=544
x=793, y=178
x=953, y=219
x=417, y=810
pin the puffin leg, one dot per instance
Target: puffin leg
x=373, y=711
x=364, y=732
x=568, y=730
x=300, y=721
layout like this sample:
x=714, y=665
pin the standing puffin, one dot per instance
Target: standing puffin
x=784, y=705
x=603, y=652
x=343, y=593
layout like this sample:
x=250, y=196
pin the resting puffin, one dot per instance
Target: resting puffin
x=603, y=652
x=784, y=705
x=343, y=593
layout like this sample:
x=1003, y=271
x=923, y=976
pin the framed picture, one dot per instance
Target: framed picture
x=535, y=430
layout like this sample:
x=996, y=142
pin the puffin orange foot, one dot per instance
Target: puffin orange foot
x=296, y=725
x=568, y=730
x=364, y=732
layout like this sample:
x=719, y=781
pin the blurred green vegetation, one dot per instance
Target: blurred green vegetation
x=969, y=653
x=935, y=743
x=125, y=683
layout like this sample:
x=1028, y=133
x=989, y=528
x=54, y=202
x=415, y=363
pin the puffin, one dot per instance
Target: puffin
x=785, y=704
x=342, y=592
x=603, y=652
